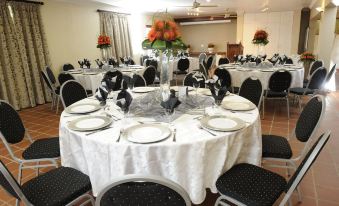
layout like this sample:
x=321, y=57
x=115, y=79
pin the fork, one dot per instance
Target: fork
x=121, y=133
x=201, y=127
x=174, y=134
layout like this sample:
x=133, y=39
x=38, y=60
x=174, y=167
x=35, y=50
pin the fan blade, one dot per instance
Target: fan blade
x=208, y=6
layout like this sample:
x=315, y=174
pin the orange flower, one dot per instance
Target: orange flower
x=159, y=35
x=159, y=25
x=151, y=35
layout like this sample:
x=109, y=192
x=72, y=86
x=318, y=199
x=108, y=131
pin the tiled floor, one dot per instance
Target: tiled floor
x=320, y=186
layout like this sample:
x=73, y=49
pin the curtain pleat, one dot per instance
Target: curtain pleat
x=23, y=40
x=116, y=26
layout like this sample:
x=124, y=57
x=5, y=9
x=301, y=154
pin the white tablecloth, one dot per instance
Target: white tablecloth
x=194, y=161
x=93, y=81
x=238, y=75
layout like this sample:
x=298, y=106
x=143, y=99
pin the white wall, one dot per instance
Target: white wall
x=279, y=26
x=218, y=34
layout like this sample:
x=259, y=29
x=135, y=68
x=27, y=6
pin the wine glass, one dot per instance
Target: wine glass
x=196, y=85
x=169, y=115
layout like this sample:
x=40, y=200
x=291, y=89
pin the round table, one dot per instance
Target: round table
x=194, y=161
x=239, y=74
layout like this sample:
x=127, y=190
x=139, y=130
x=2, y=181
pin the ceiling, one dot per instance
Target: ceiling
x=151, y=6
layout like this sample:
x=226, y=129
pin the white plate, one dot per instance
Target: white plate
x=89, y=123
x=75, y=72
x=82, y=108
x=143, y=89
x=176, y=88
x=204, y=91
x=238, y=106
x=147, y=133
x=90, y=73
x=267, y=70
x=222, y=123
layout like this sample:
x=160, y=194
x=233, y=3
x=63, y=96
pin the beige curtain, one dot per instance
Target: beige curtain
x=116, y=26
x=23, y=54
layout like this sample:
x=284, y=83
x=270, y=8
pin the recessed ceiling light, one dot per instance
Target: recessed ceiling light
x=264, y=9
x=208, y=0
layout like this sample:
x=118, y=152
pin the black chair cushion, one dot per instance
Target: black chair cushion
x=251, y=185
x=179, y=72
x=89, y=91
x=236, y=90
x=142, y=194
x=43, y=148
x=272, y=94
x=300, y=91
x=57, y=187
x=276, y=147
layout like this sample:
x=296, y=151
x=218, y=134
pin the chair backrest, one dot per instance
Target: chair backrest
x=223, y=61
x=67, y=67
x=315, y=65
x=64, y=77
x=310, y=118
x=149, y=75
x=317, y=78
x=9, y=183
x=188, y=80
x=225, y=77
x=71, y=92
x=202, y=58
x=48, y=83
x=139, y=80
x=209, y=62
x=50, y=75
x=330, y=74
x=288, y=61
x=143, y=190
x=305, y=165
x=280, y=81
x=203, y=69
x=11, y=127
x=252, y=90
x=183, y=64
x=143, y=58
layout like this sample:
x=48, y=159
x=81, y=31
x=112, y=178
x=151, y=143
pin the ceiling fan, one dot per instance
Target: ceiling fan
x=197, y=5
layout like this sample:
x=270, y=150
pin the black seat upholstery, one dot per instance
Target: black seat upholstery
x=49, y=84
x=225, y=77
x=43, y=148
x=50, y=75
x=279, y=83
x=57, y=187
x=64, y=77
x=251, y=185
x=276, y=147
x=71, y=92
x=251, y=89
x=209, y=62
x=189, y=80
x=149, y=75
x=67, y=67
x=183, y=65
x=223, y=61
x=316, y=82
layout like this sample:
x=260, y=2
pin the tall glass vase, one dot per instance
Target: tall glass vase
x=261, y=50
x=104, y=54
x=164, y=73
x=307, y=65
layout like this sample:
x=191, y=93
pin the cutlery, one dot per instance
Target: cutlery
x=241, y=112
x=90, y=133
x=174, y=134
x=201, y=127
x=121, y=133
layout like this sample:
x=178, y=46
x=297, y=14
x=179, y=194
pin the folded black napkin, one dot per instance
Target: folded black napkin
x=113, y=62
x=257, y=60
x=81, y=63
x=87, y=63
x=99, y=63
x=198, y=78
x=172, y=102
x=122, y=60
x=111, y=82
x=218, y=92
x=124, y=100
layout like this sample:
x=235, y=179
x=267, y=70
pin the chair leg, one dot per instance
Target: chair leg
x=52, y=105
x=263, y=108
x=300, y=102
x=288, y=107
x=299, y=194
x=57, y=106
x=20, y=173
x=218, y=202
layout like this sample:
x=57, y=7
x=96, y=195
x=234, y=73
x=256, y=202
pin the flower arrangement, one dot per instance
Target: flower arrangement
x=103, y=42
x=260, y=37
x=307, y=57
x=210, y=45
x=163, y=35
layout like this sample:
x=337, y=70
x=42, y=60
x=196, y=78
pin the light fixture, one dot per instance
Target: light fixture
x=319, y=9
x=264, y=9
x=208, y=0
x=335, y=2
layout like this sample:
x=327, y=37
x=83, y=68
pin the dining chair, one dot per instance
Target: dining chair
x=225, y=77
x=182, y=67
x=64, y=77
x=72, y=91
x=313, y=67
x=224, y=60
x=67, y=67
x=188, y=80
x=149, y=75
x=315, y=84
x=330, y=75
x=246, y=184
x=42, y=152
x=203, y=70
x=58, y=187
x=252, y=90
x=143, y=58
x=278, y=85
x=202, y=58
x=136, y=81
x=209, y=62
x=51, y=77
x=54, y=91
x=142, y=190
x=277, y=148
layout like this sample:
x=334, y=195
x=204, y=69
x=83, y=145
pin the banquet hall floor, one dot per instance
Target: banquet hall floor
x=320, y=186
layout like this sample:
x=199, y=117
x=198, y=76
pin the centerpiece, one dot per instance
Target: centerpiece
x=210, y=48
x=103, y=43
x=306, y=58
x=164, y=39
x=261, y=40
